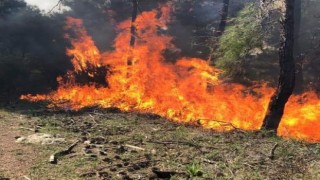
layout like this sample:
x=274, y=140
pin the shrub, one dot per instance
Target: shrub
x=243, y=34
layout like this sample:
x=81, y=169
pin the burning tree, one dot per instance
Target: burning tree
x=287, y=69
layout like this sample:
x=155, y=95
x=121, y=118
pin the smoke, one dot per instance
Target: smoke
x=32, y=49
x=195, y=22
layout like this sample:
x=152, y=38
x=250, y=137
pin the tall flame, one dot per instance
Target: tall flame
x=186, y=91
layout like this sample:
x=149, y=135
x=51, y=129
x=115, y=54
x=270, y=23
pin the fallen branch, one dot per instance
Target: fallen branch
x=54, y=157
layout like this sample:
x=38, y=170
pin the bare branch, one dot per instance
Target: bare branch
x=58, y=4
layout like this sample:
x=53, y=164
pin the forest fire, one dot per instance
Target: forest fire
x=189, y=90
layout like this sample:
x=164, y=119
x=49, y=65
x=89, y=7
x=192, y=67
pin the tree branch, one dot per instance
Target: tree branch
x=58, y=4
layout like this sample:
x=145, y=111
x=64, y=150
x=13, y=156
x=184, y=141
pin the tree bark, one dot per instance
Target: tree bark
x=287, y=69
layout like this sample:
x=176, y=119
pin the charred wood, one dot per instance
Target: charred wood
x=287, y=69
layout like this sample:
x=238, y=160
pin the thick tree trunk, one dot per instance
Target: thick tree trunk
x=287, y=69
x=297, y=49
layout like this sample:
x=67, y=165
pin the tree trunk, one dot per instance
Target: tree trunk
x=297, y=49
x=287, y=69
x=223, y=21
x=219, y=31
x=133, y=31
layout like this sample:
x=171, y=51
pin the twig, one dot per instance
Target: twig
x=134, y=147
x=273, y=150
x=247, y=164
x=96, y=113
x=26, y=177
x=29, y=129
x=54, y=157
x=208, y=161
x=222, y=123
x=59, y=3
x=93, y=119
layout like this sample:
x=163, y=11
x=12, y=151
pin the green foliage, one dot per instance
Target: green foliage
x=242, y=35
x=194, y=169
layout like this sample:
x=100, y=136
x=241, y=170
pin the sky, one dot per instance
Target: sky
x=45, y=5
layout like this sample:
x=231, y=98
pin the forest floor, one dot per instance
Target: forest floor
x=122, y=145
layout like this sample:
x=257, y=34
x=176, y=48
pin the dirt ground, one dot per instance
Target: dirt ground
x=123, y=145
x=16, y=159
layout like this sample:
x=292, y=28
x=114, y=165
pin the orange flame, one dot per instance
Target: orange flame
x=186, y=91
x=82, y=53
